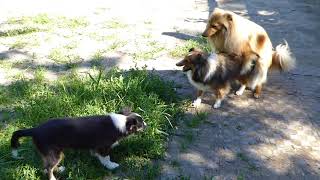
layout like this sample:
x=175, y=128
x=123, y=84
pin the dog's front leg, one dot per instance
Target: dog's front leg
x=104, y=158
x=196, y=103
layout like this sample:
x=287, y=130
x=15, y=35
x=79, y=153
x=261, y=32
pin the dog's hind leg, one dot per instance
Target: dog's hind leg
x=50, y=160
x=103, y=155
x=257, y=91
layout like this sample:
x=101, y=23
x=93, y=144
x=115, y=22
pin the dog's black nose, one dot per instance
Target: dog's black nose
x=204, y=35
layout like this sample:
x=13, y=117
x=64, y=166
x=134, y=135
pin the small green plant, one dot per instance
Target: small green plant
x=97, y=58
x=196, y=120
x=115, y=24
x=18, y=31
x=242, y=157
x=175, y=163
x=116, y=45
x=151, y=52
x=18, y=44
x=61, y=56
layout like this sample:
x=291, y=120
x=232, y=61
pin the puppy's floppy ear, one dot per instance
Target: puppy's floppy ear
x=228, y=16
x=125, y=111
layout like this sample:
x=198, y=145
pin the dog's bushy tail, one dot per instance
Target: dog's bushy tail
x=282, y=58
x=15, y=139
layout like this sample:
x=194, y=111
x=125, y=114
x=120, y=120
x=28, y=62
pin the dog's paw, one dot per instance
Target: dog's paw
x=217, y=104
x=196, y=103
x=256, y=95
x=240, y=90
x=112, y=165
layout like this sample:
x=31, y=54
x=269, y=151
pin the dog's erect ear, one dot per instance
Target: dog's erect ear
x=191, y=49
x=125, y=111
x=228, y=16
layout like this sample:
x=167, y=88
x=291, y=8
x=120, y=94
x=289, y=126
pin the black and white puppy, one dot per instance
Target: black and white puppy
x=96, y=133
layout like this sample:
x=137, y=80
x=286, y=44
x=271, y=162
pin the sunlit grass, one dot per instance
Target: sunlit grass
x=34, y=101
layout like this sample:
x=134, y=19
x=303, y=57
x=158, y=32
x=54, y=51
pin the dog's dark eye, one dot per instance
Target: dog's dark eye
x=214, y=26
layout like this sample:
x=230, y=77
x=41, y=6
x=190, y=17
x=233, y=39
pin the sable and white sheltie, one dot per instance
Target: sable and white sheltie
x=214, y=72
x=230, y=33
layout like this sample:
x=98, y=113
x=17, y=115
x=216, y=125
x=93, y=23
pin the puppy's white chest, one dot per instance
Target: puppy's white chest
x=197, y=85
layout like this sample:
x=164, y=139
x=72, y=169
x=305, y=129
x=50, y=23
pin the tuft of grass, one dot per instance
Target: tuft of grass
x=18, y=31
x=182, y=50
x=196, y=120
x=117, y=44
x=151, y=52
x=35, y=101
x=187, y=140
x=62, y=56
x=72, y=22
x=46, y=22
x=97, y=58
x=115, y=24
x=18, y=44
x=175, y=163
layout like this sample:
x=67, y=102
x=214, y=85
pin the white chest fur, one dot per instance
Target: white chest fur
x=197, y=85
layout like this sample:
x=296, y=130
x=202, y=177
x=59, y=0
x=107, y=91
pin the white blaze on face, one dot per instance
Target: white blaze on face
x=119, y=121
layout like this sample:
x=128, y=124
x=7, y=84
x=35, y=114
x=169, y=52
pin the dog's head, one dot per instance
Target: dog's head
x=194, y=58
x=219, y=21
x=134, y=122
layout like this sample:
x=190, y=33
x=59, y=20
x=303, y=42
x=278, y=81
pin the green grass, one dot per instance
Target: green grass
x=116, y=45
x=42, y=22
x=34, y=101
x=196, y=120
x=152, y=51
x=18, y=31
x=65, y=57
x=182, y=50
x=97, y=57
x=115, y=24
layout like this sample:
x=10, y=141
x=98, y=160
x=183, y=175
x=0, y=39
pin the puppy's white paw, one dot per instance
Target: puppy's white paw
x=241, y=90
x=61, y=169
x=196, y=103
x=113, y=165
x=217, y=104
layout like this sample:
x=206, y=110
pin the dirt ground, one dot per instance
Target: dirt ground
x=274, y=137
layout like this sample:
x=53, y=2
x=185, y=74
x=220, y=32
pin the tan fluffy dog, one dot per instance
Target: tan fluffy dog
x=228, y=32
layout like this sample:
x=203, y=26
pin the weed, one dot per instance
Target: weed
x=242, y=157
x=115, y=24
x=116, y=45
x=18, y=31
x=175, y=163
x=197, y=119
x=61, y=56
x=151, y=52
x=97, y=58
